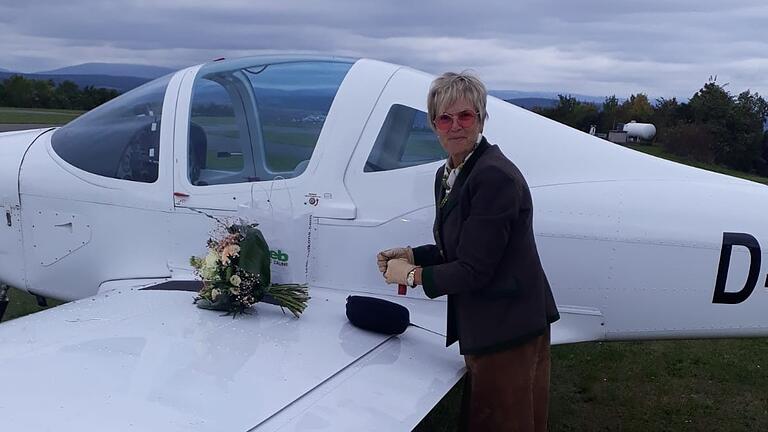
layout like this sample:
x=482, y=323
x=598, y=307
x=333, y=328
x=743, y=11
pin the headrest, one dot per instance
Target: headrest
x=377, y=315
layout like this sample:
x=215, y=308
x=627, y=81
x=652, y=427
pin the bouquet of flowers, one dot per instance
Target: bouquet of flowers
x=236, y=274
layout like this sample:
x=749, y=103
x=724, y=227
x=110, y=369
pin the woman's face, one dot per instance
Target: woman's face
x=458, y=140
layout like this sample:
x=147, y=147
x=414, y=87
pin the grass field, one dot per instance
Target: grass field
x=687, y=385
x=22, y=304
x=657, y=151
x=37, y=115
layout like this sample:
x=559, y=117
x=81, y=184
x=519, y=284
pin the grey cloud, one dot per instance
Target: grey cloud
x=593, y=46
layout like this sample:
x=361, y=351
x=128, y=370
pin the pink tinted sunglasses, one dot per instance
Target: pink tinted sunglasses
x=466, y=118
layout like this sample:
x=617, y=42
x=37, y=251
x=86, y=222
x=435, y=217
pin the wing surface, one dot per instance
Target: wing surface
x=148, y=359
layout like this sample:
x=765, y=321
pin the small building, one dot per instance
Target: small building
x=617, y=136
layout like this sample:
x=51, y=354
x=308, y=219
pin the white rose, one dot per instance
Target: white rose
x=209, y=273
x=235, y=280
x=211, y=258
x=208, y=270
x=215, y=293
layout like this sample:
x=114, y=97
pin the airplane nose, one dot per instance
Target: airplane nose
x=13, y=146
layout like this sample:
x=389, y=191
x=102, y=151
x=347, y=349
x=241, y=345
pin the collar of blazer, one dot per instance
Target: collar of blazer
x=453, y=197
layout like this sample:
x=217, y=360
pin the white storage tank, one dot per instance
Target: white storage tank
x=645, y=131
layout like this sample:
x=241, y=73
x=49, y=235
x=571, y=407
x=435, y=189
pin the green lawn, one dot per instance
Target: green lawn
x=22, y=304
x=37, y=115
x=657, y=151
x=718, y=385
x=687, y=385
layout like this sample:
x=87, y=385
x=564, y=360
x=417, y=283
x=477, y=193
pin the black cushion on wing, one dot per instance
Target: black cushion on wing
x=377, y=315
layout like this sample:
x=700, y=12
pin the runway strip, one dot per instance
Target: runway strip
x=6, y=127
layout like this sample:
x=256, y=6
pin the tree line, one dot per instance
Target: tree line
x=19, y=92
x=714, y=126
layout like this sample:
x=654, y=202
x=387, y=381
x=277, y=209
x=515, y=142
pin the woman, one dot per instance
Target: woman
x=485, y=261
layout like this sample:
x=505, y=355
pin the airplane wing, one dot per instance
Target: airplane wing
x=148, y=359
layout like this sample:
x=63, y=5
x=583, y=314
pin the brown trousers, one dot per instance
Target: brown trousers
x=508, y=390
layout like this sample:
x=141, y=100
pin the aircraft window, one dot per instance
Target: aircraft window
x=259, y=122
x=215, y=138
x=404, y=140
x=119, y=139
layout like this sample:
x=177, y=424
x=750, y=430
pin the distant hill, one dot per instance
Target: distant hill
x=111, y=69
x=123, y=77
x=119, y=83
x=531, y=103
x=514, y=94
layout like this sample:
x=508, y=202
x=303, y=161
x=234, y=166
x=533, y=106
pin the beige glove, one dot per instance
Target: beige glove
x=382, y=257
x=397, y=271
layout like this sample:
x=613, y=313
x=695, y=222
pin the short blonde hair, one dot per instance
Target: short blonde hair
x=450, y=87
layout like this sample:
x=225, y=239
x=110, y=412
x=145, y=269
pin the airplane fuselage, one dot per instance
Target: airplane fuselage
x=634, y=246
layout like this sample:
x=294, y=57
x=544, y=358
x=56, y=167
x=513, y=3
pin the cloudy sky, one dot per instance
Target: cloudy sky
x=596, y=47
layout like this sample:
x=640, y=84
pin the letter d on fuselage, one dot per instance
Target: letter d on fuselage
x=730, y=240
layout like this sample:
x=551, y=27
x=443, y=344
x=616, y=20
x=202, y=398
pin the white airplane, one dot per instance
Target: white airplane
x=108, y=209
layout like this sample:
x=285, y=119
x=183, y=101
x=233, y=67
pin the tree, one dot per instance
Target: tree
x=712, y=105
x=67, y=95
x=42, y=95
x=636, y=108
x=572, y=112
x=749, y=113
x=19, y=92
x=691, y=141
x=666, y=113
x=93, y=97
x=609, y=114
x=713, y=126
x=762, y=166
x=735, y=123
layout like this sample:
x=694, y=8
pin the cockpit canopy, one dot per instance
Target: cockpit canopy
x=258, y=122
x=119, y=139
x=250, y=120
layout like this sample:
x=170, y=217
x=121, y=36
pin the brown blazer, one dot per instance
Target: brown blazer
x=485, y=258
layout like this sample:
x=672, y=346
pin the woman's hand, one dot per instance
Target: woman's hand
x=384, y=256
x=397, y=271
